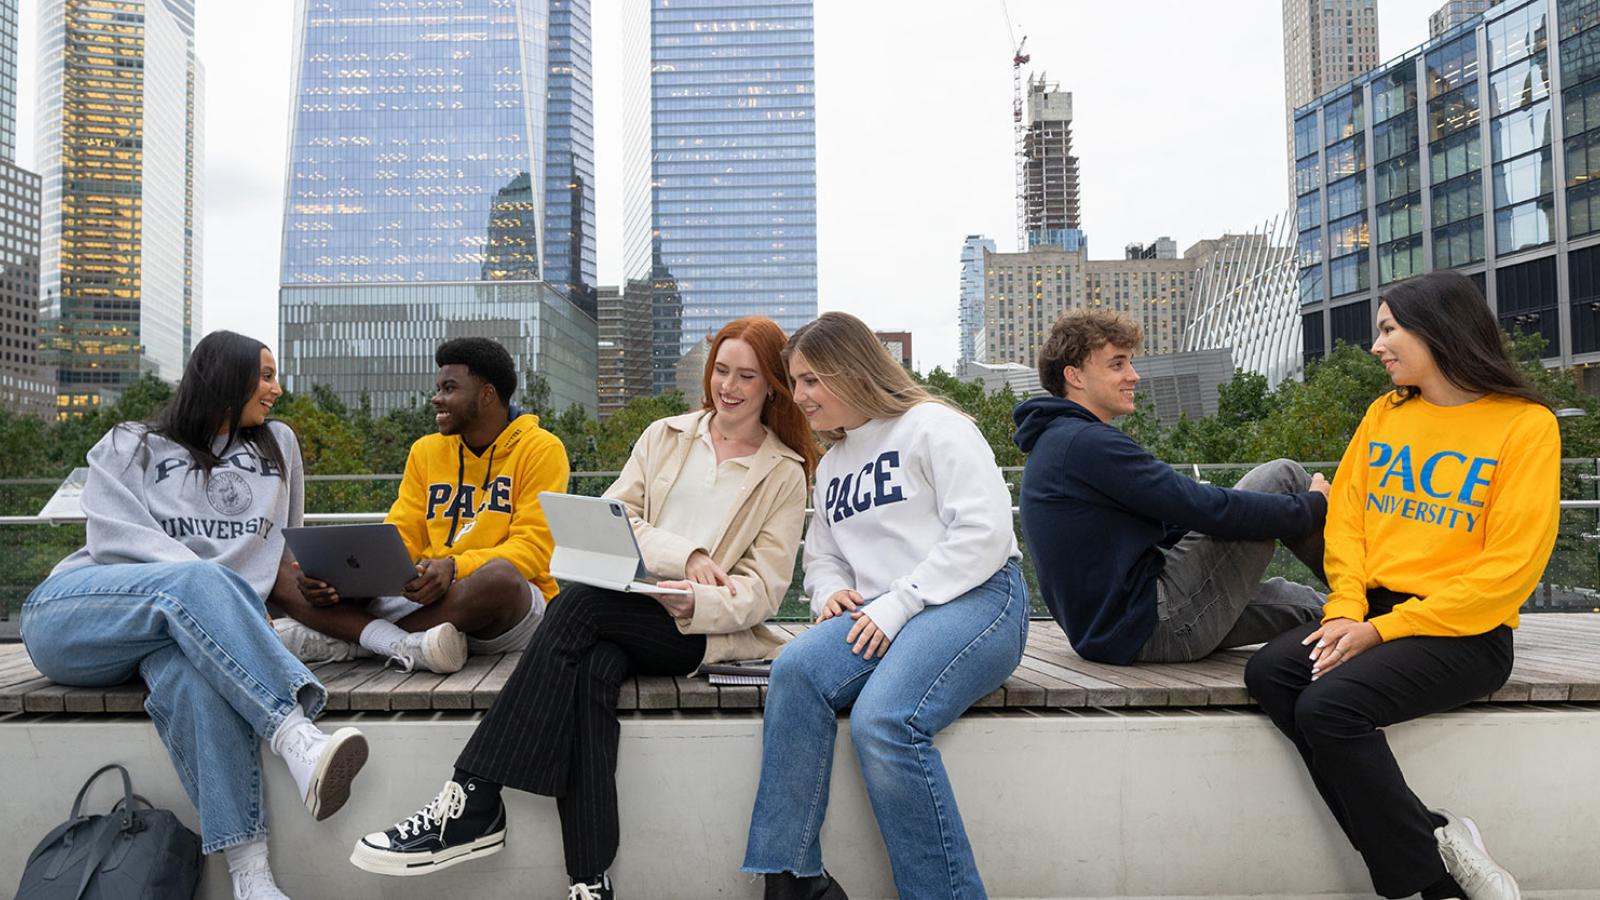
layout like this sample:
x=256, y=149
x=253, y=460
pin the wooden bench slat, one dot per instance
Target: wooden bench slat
x=455, y=690
x=1555, y=661
x=657, y=692
x=486, y=690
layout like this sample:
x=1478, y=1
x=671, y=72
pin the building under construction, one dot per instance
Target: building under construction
x=1050, y=210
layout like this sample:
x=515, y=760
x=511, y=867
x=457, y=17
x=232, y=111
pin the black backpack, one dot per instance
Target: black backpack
x=130, y=853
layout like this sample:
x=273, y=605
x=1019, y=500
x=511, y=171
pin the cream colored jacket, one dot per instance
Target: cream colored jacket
x=755, y=544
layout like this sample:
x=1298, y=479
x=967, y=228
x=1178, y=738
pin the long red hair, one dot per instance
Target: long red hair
x=779, y=413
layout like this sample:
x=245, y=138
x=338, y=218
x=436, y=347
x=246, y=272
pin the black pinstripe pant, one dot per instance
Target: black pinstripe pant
x=554, y=728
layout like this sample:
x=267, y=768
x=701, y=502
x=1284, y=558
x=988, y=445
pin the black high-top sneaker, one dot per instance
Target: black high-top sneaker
x=596, y=888
x=445, y=832
x=787, y=886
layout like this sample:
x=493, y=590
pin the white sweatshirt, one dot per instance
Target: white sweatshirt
x=909, y=512
x=147, y=502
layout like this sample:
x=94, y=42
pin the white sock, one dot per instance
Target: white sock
x=382, y=636
x=250, y=874
x=241, y=856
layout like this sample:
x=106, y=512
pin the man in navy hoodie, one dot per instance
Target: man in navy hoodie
x=1136, y=562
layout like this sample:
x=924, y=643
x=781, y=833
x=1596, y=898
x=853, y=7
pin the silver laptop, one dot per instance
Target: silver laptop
x=357, y=560
x=595, y=544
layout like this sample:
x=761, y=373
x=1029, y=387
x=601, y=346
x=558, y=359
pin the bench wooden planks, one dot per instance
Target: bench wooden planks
x=1556, y=662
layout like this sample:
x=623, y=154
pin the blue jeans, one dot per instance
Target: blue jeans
x=218, y=676
x=945, y=659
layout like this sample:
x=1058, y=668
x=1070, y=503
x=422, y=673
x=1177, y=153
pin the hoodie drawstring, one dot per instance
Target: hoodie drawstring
x=461, y=477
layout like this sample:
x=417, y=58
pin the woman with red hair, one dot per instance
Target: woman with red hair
x=717, y=498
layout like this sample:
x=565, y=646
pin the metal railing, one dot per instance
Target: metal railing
x=30, y=545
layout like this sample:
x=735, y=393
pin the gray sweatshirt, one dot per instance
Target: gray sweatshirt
x=147, y=502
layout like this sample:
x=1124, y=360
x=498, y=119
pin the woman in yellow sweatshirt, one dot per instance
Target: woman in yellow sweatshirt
x=1441, y=520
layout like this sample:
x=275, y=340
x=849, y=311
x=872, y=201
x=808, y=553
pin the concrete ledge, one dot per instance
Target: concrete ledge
x=1138, y=803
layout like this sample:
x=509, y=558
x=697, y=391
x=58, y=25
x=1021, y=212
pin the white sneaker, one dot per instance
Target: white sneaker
x=254, y=882
x=323, y=765
x=441, y=649
x=1461, y=847
x=312, y=646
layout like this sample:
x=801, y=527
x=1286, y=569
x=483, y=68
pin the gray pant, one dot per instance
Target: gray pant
x=1210, y=595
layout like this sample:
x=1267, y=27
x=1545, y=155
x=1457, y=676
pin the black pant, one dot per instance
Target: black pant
x=1336, y=725
x=554, y=728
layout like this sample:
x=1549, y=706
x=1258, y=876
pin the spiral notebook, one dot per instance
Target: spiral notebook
x=738, y=671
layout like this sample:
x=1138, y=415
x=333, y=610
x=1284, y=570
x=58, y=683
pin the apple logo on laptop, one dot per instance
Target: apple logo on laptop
x=352, y=562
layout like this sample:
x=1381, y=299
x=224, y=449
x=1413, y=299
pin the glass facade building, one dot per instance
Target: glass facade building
x=1478, y=151
x=119, y=147
x=721, y=157
x=970, y=322
x=375, y=342
x=435, y=145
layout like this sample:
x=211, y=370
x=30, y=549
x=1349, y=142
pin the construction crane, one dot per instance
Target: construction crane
x=1019, y=58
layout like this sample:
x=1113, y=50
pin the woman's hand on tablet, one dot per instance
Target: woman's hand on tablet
x=701, y=569
x=679, y=606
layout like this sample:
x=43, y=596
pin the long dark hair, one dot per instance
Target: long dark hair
x=1446, y=311
x=223, y=373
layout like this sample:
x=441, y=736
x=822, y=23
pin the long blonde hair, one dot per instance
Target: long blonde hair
x=854, y=365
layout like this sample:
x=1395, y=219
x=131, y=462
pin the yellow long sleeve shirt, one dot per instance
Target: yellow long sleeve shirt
x=1455, y=506
x=475, y=508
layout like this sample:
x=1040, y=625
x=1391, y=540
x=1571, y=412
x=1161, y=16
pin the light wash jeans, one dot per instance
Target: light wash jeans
x=219, y=678
x=945, y=659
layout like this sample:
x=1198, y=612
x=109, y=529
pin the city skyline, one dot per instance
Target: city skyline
x=1163, y=151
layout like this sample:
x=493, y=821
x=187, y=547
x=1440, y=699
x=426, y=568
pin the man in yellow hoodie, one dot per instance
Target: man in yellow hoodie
x=469, y=513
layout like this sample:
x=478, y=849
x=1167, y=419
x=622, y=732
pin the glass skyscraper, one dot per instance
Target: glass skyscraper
x=721, y=194
x=119, y=150
x=419, y=168
x=569, y=228
x=1478, y=151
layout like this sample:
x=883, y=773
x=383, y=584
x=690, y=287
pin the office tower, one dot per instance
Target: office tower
x=624, y=344
x=569, y=229
x=721, y=166
x=1051, y=211
x=24, y=387
x=1024, y=293
x=119, y=153
x=1453, y=13
x=1325, y=44
x=971, y=309
x=8, y=80
x=417, y=202
x=1468, y=158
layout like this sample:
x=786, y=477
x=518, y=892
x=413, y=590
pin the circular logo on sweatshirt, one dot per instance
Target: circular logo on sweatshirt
x=228, y=492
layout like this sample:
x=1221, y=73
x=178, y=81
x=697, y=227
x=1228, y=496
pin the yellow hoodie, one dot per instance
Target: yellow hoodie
x=477, y=508
x=1455, y=506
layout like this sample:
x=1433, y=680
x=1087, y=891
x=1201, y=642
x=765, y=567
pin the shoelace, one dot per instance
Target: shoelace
x=405, y=655
x=300, y=742
x=585, y=892
x=448, y=805
x=1469, y=859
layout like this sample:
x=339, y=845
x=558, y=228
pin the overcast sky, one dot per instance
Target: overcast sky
x=1178, y=128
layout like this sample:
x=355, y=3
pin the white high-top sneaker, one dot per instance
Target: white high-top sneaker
x=323, y=765
x=254, y=882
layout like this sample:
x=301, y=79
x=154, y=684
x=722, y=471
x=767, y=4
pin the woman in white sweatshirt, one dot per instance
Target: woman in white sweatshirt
x=911, y=564
x=185, y=540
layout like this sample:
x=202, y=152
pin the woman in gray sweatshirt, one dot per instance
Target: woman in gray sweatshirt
x=185, y=541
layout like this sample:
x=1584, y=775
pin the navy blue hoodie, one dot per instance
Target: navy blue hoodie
x=1097, y=509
